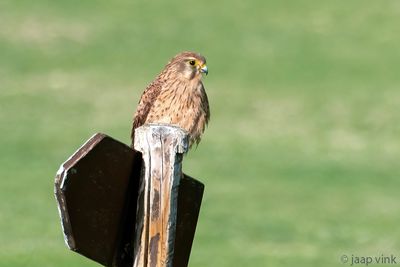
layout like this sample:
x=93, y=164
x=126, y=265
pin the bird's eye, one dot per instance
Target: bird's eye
x=192, y=62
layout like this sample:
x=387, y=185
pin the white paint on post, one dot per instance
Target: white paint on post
x=162, y=147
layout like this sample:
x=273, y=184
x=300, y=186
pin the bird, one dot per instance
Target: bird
x=177, y=96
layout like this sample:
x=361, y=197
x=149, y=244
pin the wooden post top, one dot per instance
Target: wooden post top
x=148, y=132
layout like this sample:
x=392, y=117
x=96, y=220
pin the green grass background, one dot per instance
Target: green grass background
x=300, y=160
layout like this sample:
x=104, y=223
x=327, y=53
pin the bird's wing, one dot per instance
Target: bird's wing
x=147, y=100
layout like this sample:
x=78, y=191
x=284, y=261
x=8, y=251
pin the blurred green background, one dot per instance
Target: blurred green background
x=300, y=160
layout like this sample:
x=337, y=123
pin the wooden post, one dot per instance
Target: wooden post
x=97, y=192
x=162, y=147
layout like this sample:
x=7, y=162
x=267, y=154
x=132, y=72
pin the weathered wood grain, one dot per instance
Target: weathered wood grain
x=162, y=148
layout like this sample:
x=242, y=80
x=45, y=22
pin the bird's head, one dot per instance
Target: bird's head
x=189, y=65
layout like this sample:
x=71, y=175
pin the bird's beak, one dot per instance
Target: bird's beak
x=204, y=69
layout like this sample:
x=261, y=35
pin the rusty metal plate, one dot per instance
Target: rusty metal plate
x=189, y=202
x=95, y=189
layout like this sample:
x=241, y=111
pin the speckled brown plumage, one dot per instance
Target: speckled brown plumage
x=177, y=96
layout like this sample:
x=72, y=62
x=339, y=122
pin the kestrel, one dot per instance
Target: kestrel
x=177, y=96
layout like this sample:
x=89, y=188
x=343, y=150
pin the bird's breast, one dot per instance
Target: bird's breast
x=179, y=105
